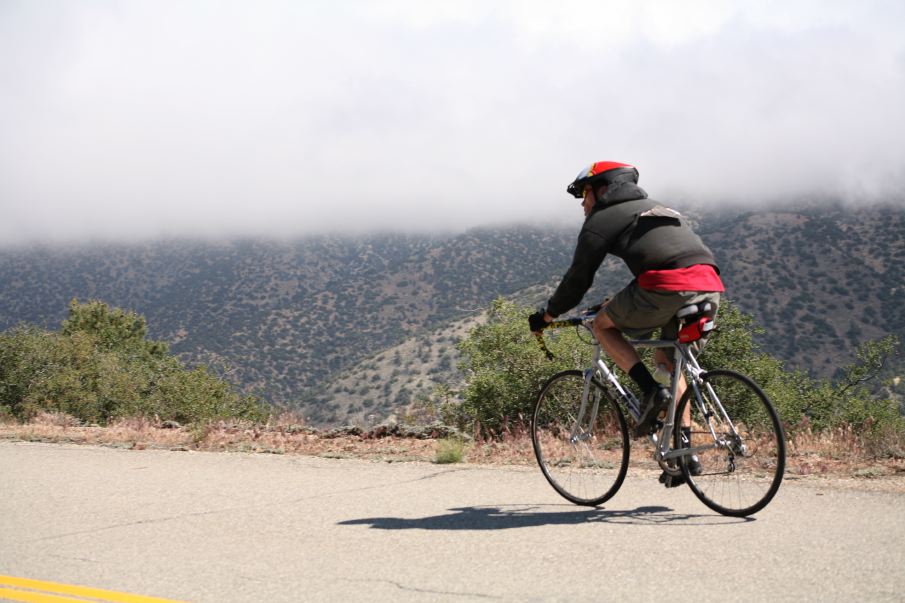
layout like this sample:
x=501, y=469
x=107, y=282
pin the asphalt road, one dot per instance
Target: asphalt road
x=207, y=527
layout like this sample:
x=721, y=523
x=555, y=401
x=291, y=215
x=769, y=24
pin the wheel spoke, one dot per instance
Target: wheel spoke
x=742, y=470
x=583, y=452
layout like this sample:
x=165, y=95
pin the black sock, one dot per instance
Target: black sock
x=643, y=378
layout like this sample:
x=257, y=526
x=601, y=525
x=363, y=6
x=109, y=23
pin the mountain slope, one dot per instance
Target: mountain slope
x=820, y=280
x=291, y=317
x=285, y=315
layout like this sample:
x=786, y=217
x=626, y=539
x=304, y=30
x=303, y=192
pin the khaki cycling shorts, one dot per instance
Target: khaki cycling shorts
x=639, y=312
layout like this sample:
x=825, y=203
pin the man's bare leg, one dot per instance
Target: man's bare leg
x=654, y=396
x=614, y=343
x=662, y=357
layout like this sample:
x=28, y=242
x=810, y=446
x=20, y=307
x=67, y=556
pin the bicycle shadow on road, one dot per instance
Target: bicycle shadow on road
x=500, y=518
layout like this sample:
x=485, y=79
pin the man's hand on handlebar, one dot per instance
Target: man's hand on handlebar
x=538, y=321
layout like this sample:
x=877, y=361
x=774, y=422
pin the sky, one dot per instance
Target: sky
x=127, y=119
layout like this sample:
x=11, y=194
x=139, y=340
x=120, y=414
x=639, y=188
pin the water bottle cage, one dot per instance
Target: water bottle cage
x=696, y=330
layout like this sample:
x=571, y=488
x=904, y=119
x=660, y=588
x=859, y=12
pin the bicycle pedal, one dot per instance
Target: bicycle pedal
x=671, y=481
x=651, y=430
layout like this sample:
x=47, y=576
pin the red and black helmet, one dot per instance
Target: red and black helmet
x=601, y=172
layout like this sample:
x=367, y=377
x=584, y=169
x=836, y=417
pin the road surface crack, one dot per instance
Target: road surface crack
x=430, y=591
x=154, y=520
x=379, y=486
x=130, y=524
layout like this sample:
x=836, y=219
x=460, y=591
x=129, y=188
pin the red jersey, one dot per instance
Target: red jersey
x=699, y=277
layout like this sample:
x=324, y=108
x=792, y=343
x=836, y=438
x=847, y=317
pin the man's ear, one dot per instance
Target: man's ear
x=599, y=192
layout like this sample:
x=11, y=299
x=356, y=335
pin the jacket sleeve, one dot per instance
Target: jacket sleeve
x=589, y=254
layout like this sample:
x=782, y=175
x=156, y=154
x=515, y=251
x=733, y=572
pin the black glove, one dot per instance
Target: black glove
x=536, y=321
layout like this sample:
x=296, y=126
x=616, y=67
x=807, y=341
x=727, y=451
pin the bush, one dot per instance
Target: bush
x=732, y=346
x=450, y=450
x=101, y=366
x=504, y=370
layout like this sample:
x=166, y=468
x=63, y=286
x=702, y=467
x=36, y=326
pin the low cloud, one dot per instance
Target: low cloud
x=140, y=119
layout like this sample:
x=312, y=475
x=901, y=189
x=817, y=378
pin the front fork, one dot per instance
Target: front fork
x=577, y=434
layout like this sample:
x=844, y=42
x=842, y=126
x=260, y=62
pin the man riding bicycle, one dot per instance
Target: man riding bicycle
x=671, y=265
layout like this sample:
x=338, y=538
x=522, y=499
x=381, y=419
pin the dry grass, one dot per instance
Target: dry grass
x=842, y=451
x=837, y=454
x=283, y=436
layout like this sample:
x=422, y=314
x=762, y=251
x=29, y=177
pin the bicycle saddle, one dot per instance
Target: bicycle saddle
x=705, y=309
x=698, y=321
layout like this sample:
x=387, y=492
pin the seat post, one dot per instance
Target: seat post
x=678, y=364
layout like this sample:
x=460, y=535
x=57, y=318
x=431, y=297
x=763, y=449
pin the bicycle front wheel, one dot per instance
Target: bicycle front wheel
x=582, y=449
x=738, y=442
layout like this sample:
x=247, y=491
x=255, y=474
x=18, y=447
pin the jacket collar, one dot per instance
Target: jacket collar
x=619, y=192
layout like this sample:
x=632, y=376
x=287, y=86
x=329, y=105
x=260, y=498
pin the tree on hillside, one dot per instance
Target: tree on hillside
x=504, y=367
x=101, y=366
x=112, y=328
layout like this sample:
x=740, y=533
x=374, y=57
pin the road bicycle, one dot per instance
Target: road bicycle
x=735, y=458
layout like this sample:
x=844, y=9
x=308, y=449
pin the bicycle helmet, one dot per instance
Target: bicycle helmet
x=601, y=172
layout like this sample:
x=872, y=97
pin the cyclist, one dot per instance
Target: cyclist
x=671, y=265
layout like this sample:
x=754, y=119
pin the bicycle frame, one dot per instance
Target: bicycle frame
x=684, y=363
x=579, y=427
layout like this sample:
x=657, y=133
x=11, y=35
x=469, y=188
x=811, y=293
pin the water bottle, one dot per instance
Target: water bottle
x=662, y=375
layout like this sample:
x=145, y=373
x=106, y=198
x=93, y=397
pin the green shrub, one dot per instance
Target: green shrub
x=450, y=450
x=504, y=370
x=101, y=366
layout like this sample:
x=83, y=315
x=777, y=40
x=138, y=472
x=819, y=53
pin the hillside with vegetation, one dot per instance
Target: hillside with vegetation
x=315, y=323
x=820, y=280
x=283, y=316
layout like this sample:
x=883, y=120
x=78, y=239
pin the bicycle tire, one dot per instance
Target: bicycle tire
x=741, y=476
x=586, y=464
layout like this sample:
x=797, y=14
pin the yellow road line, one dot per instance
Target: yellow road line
x=33, y=597
x=48, y=592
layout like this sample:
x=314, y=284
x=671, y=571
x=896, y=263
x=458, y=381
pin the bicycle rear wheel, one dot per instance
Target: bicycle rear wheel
x=742, y=460
x=583, y=452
